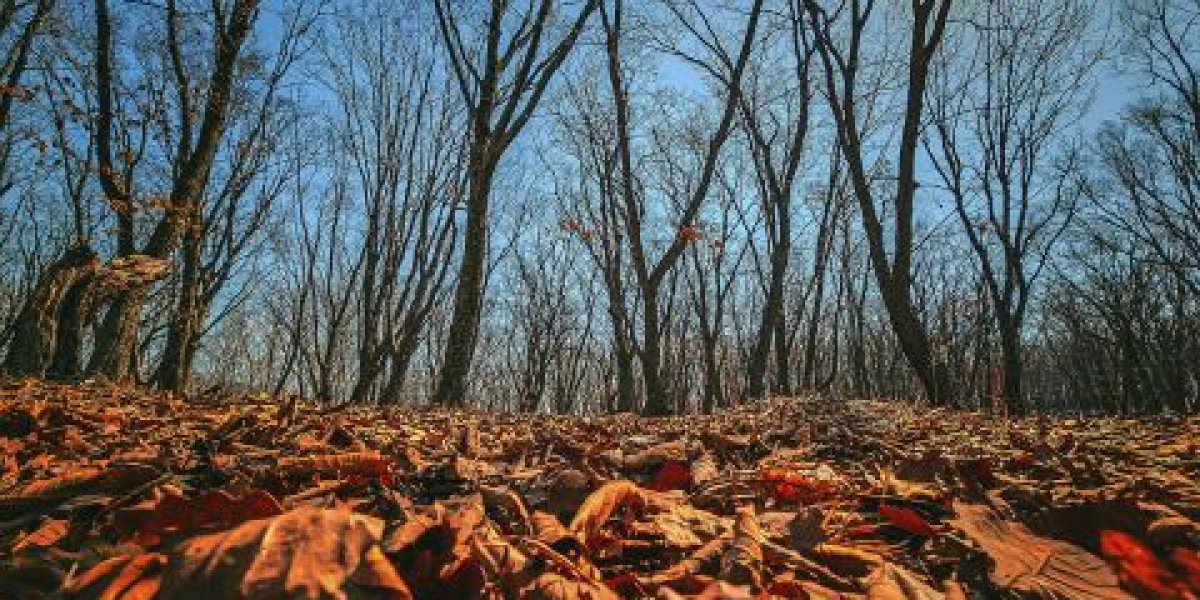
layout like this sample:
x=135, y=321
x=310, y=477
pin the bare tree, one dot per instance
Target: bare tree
x=196, y=147
x=843, y=63
x=777, y=125
x=1000, y=113
x=399, y=137
x=501, y=85
x=692, y=187
x=244, y=187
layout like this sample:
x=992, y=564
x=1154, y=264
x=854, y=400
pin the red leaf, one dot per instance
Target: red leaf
x=1188, y=561
x=1141, y=572
x=672, y=475
x=907, y=519
x=794, y=488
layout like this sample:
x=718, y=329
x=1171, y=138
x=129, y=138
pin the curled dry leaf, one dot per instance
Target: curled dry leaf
x=602, y=503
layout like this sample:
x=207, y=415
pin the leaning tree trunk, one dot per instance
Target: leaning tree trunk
x=915, y=344
x=36, y=327
x=116, y=338
x=75, y=315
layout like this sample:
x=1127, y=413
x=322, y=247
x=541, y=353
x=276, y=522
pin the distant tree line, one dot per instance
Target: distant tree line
x=587, y=206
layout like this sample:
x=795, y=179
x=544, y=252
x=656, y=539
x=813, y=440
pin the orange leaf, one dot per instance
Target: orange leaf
x=120, y=578
x=794, y=488
x=305, y=553
x=341, y=465
x=51, y=532
x=601, y=504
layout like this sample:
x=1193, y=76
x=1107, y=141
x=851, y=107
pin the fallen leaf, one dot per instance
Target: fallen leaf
x=49, y=533
x=1027, y=564
x=907, y=519
x=306, y=553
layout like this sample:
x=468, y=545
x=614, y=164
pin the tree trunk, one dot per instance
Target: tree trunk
x=783, y=359
x=809, y=374
x=1010, y=349
x=657, y=402
x=468, y=297
x=713, y=397
x=116, y=339
x=772, y=316
x=914, y=343
x=401, y=358
x=626, y=382
x=183, y=331
x=36, y=328
x=74, y=317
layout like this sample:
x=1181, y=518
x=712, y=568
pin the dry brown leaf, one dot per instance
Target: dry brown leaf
x=431, y=550
x=550, y=531
x=552, y=586
x=742, y=562
x=80, y=482
x=602, y=503
x=307, y=553
x=1027, y=564
x=891, y=582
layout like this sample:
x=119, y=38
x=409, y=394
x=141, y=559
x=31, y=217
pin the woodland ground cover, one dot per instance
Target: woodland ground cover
x=118, y=492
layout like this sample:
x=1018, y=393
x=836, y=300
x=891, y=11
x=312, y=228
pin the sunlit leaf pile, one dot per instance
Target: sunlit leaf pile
x=120, y=493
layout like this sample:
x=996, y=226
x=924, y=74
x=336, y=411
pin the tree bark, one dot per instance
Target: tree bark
x=114, y=357
x=468, y=297
x=74, y=317
x=182, y=334
x=36, y=329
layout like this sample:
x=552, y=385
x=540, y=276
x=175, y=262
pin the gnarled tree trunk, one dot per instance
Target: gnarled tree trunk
x=36, y=329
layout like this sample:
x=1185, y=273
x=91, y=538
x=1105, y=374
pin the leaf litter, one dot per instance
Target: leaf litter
x=121, y=493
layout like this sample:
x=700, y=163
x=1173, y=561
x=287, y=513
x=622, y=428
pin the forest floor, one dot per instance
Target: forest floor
x=119, y=493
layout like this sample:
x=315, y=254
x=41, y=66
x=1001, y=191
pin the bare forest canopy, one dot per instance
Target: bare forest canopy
x=589, y=206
